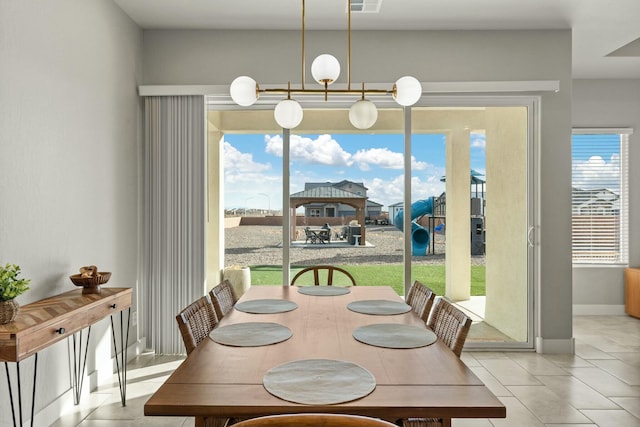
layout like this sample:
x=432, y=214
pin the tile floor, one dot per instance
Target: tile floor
x=598, y=386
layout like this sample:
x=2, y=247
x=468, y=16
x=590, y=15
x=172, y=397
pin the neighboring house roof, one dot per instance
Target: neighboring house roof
x=346, y=182
x=399, y=204
x=588, y=200
x=309, y=185
x=372, y=203
x=326, y=192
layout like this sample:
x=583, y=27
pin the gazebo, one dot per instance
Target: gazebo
x=330, y=194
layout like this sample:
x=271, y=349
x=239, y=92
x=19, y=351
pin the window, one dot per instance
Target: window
x=314, y=212
x=599, y=196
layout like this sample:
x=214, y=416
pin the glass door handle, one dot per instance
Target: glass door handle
x=530, y=236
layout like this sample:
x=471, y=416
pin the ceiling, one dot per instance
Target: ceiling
x=606, y=33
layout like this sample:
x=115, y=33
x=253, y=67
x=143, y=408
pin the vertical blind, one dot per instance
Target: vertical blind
x=173, y=264
x=600, y=199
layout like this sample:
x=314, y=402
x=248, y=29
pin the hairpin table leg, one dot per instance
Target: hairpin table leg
x=121, y=356
x=19, y=396
x=80, y=363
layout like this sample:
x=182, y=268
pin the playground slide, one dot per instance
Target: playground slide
x=419, y=234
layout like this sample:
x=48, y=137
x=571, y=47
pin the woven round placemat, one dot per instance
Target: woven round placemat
x=266, y=306
x=251, y=334
x=319, y=381
x=395, y=335
x=323, y=291
x=379, y=307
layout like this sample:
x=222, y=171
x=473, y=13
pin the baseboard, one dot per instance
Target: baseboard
x=64, y=403
x=50, y=413
x=598, y=310
x=555, y=346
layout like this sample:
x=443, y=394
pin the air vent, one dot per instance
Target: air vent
x=365, y=6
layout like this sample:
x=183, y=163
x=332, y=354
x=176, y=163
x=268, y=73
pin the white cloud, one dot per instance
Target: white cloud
x=236, y=162
x=479, y=141
x=249, y=183
x=324, y=150
x=388, y=192
x=596, y=171
x=384, y=158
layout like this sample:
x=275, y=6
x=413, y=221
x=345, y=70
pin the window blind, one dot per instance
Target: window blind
x=599, y=202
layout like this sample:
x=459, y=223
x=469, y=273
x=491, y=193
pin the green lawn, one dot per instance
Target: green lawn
x=376, y=275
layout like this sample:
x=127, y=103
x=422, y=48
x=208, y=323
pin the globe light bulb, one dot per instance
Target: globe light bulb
x=407, y=91
x=244, y=91
x=288, y=113
x=363, y=114
x=325, y=69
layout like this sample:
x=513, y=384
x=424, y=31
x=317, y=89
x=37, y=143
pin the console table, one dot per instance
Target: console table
x=45, y=322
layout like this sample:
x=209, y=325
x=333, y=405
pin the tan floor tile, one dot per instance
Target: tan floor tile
x=570, y=425
x=577, y=393
x=632, y=359
x=536, y=364
x=469, y=359
x=546, y=405
x=490, y=381
x=104, y=423
x=589, y=352
x=470, y=422
x=517, y=415
x=630, y=404
x=604, y=383
x=509, y=372
x=484, y=355
x=618, y=418
x=567, y=360
x=627, y=373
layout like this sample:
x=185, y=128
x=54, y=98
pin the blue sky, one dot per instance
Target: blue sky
x=253, y=165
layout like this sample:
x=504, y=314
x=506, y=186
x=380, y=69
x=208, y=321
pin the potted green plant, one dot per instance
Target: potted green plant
x=10, y=287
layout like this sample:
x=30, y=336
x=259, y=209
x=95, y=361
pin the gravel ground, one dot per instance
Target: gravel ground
x=262, y=245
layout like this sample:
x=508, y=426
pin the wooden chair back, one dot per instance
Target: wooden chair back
x=196, y=321
x=314, y=420
x=224, y=298
x=450, y=324
x=420, y=298
x=329, y=269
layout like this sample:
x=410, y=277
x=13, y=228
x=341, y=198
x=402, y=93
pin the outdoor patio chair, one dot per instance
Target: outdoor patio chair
x=420, y=298
x=328, y=269
x=313, y=420
x=224, y=298
x=196, y=321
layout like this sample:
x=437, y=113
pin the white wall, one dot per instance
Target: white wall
x=217, y=57
x=609, y=103
x=69, y=143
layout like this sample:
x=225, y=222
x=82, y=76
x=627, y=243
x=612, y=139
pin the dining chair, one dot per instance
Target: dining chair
x=420, y=298
x=317, y=269
x=224, y=298
x=196, y=321
x=450, y=324
x=314, y=420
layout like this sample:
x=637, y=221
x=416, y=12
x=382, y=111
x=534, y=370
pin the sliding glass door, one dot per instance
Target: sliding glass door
x=471, y=203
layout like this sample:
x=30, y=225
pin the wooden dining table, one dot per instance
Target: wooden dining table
x=218, y=380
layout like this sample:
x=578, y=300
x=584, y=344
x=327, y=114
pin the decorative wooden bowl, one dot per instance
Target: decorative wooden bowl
x=91, y=285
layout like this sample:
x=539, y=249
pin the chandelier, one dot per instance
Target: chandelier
x=325, y=70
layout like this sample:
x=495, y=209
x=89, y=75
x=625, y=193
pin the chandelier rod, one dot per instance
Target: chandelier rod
x=343, y=91
x=349, y=45
x=303, y=59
